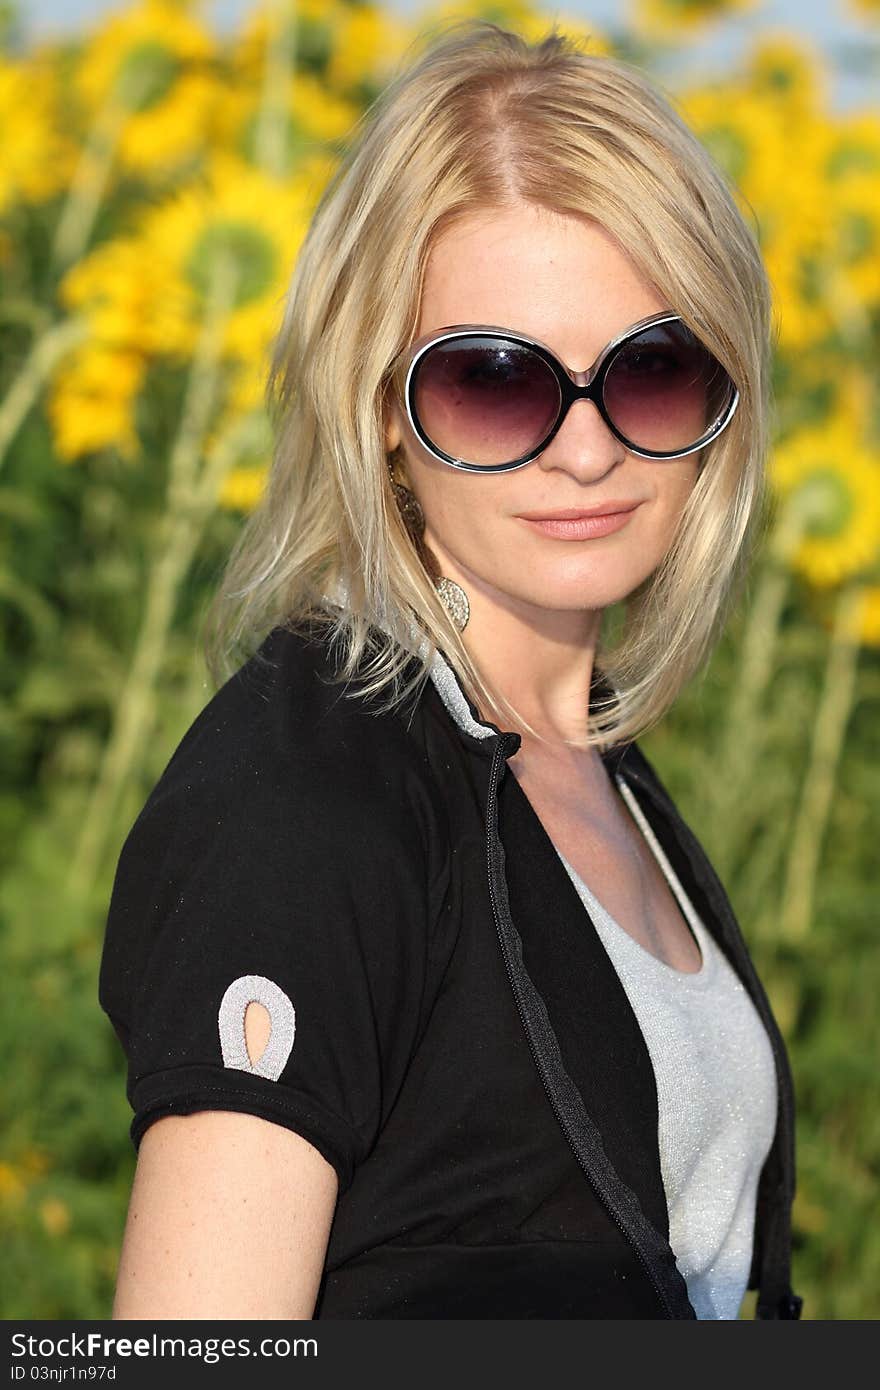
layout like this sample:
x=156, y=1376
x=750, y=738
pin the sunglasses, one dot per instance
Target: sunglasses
x=488, y=400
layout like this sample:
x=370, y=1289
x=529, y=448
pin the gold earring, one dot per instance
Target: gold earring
x=409, y=504
x=451, y=595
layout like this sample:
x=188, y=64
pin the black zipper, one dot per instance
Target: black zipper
x=504, y=740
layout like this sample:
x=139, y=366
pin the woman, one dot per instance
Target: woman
x=432, y=1003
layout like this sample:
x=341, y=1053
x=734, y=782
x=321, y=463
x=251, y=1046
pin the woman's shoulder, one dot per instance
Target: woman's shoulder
x=281, y=752
x=282, y=772
x=283, y=718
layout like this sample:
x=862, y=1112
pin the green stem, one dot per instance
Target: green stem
x=741, y=740
x=828, y=735
x=180, y=532
x=241, y=440
x=270, y=145
x=30, y=603
x=87, y=187
x=45, y=353
x=247, y=433
x=22, y=309
x=92, y=172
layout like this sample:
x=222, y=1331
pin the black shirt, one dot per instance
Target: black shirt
x=448, y=1030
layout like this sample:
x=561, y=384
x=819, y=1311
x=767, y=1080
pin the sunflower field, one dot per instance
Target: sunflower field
x=157, y=178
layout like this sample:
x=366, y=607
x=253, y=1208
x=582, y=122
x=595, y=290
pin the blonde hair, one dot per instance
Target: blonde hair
x=483, y=119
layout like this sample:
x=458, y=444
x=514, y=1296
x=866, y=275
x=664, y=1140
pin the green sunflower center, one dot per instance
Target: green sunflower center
x=780, y=77
x=250, y=250
x=828, y=502
x=856, y=236
x=811, y=277
x=146, y=74
x=314, y=44
x=851, y=157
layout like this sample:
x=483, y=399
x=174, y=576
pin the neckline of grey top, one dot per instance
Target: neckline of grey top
x=447, y=685
x=446, y=682
x=617, y=937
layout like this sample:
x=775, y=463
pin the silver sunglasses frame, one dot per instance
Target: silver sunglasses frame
x=580, y=386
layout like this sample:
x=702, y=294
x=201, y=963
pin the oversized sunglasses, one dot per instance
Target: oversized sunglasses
x=488, y=400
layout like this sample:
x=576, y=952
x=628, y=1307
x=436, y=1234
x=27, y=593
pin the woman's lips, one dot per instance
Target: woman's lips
x=583, y=527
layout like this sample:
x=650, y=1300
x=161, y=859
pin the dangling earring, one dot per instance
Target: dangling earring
x=452, y=595
x=454, y=600
x=409, y=505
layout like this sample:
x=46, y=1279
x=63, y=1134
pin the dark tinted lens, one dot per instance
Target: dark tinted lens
x=664, y=390
x=484, y=400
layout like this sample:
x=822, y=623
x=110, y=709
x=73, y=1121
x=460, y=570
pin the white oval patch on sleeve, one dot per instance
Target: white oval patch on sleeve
x=256, y=989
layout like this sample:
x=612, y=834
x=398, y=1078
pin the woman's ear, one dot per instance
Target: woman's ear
x=392, y=431
x=391, y=418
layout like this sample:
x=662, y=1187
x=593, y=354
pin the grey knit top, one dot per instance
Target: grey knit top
x=716, y=1093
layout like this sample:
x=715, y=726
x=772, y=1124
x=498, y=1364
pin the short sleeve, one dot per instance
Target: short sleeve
x=313, y=886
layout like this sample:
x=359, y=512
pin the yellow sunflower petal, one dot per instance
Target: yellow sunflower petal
x=38, y=158
x=835, y=478
x=91, y=402
x=243, y=489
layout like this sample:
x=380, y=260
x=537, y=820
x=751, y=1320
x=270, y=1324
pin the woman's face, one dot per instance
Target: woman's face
x=566, y=282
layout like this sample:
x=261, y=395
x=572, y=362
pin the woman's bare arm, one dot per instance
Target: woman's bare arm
x=229, y=1217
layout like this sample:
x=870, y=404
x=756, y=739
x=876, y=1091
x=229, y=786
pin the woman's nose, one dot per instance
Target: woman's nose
x=583, y=444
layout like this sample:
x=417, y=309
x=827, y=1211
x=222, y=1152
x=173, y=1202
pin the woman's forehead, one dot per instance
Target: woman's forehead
x=562, y=279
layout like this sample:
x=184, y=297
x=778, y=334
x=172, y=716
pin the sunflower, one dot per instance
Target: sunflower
x=235, y=210
x=177, y=131
x=787, y=180
x=730, y=122
x=805, y=241
x=144, y=295
x=814, y=392
x=246, y=388
x=776, y=157
x=789, y=71
x=368, y=43
x=857, y=204
x=92, y=400
x=868, y=630
x=856, y=146
x=823, y=253
x=801, y=307
x=130, y=305
x=834, y=479
x=160, y=64
x=747, y=140
x=243, y=488
x=658, y=17
x=853, y=174
x=38, y=159
x=308, y=26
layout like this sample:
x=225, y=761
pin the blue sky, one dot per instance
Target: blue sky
x=832, y=25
